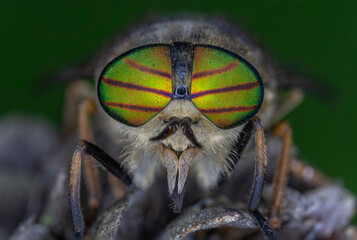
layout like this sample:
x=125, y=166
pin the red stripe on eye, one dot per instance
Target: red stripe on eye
x=212, y=72
x=118, y=83
x=147, y=69
x=133, y=107
x=227, y=109
x=238, y=87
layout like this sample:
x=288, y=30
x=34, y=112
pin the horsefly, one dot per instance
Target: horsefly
x=185, y=98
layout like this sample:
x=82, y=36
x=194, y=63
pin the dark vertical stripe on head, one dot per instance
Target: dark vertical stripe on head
x=181, y=64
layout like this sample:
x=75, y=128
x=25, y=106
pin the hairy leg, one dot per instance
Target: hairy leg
x=85, y=109
x=261, y=163
x=89, y=152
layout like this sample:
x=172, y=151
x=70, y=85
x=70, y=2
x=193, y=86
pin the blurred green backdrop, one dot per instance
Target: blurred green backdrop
x=315, y=37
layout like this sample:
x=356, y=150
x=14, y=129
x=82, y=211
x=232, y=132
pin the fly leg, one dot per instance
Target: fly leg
x=85, y=148
x=254, y=126
x=307, y=173
x=85, y=109
x=78, y=109
x=275, y=211
x=75, y=93
x=88, y=151
x=259, y=179
x=286, y=164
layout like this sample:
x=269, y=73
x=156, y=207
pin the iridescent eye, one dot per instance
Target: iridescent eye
x=225, y=87
x=137, y=85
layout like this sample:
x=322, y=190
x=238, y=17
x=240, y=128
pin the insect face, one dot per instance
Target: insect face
x=182, y=98
x=182, y=105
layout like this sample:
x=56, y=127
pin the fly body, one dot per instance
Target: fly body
x=182, y=98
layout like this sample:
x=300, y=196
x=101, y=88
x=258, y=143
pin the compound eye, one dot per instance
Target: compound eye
x=137, y=85
x=225, y=87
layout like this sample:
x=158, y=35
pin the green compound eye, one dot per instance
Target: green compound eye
x=137, y=85
x=225, y=87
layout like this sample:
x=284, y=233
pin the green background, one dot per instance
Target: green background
x=314, y=37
